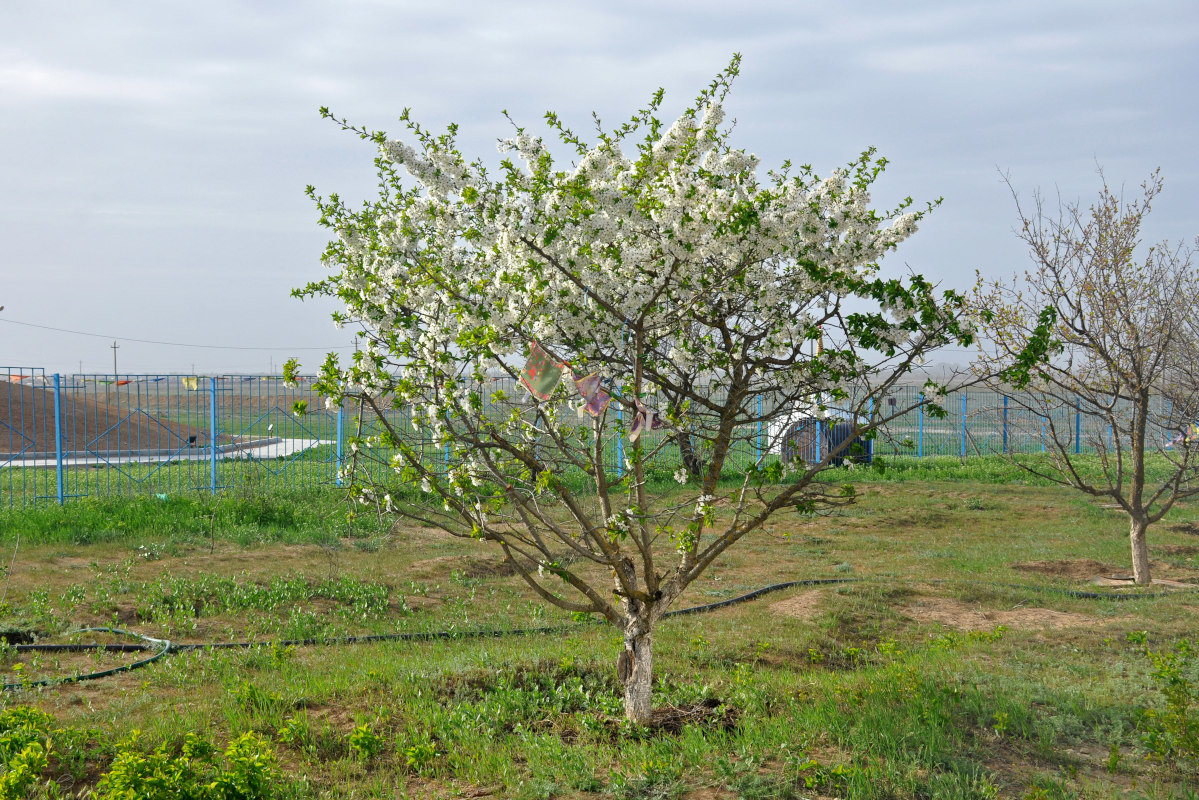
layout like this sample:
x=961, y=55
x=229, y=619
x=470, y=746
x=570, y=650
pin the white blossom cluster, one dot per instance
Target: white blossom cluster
x=456, y=271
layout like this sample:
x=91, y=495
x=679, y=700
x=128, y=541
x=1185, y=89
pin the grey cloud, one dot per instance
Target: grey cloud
x=154, y=151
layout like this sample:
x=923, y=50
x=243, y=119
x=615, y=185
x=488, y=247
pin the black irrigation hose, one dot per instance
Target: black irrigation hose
x=756, y=593
x=149, y=642
x=166, y=646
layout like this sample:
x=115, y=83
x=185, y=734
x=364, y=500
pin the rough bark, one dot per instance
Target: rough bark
x=694, y=467
x=635, y=667
x=1140, y=551
x=1138, y=520
x=637, y=670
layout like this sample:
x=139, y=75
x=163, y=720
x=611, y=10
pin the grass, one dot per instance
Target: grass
x=289, y=517
x=991, y=469
x=950, y=668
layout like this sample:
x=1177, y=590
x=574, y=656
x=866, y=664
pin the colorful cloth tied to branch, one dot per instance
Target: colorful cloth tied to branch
x=541, y=373
x=1188, y=436
x=596, y=398
x=647, y=419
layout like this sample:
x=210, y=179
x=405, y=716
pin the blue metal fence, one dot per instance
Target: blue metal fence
x=70, y=436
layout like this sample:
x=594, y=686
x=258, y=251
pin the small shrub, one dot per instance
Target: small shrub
x=364, y=742
x=296, y=731
x=25, y=740
x=250, y=772
x=23, y=769
x=420, y=756
x=247, y=771
x=1171, y=734
x=21, y=726
x=155, y=775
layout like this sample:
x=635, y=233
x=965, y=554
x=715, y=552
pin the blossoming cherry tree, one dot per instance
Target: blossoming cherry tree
x=660, y=267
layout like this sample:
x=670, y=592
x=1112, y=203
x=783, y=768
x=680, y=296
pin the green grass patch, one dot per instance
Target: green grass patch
x=311, y=515
x=954, y=666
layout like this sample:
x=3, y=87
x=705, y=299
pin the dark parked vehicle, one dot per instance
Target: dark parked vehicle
x=811, y=439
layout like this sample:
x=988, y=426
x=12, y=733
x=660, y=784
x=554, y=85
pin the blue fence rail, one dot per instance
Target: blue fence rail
x=69, y=436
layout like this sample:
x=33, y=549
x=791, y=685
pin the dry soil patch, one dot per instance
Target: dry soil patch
x=802, y=606
x=972, y=617
x=1076, y=568
x=1164, y=583
x=1176, y=549
x=1097, y=572
x=469, y=566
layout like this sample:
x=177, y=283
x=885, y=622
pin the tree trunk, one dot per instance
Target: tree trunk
x=691, y=462
x=1140, y=551
x=636, y=669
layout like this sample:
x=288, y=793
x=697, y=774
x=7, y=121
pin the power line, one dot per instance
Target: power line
x=169, y=344
x=242, y=347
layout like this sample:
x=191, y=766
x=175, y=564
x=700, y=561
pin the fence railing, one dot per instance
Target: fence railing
x=70, y=436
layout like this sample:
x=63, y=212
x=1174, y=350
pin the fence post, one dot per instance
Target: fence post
x=58, y=437
x=759, y=444
x=870, y=441
x=212, y=433
x=340, y=410
x=1043, y=420
x=819, y=433
x=1077, y=425
x=920, y=435
x=963, y=448
x=1005, y=423
x=619, y=444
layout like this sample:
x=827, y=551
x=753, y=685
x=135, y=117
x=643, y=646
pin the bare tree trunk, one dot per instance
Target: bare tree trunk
x=1136, y=489
x=691, y=462
x=636, y=669
x=1140, y=550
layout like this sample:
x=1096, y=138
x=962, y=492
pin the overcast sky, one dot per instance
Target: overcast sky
x=153, y=155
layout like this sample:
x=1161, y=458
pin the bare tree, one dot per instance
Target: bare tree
x=1106, y=344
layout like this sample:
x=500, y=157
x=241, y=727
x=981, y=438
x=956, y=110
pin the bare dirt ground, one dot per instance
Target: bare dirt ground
x=802, y=606
x=1082, y=569
x=1101, y=574
x=949, y=612
x=27, y=424
x=972, y=617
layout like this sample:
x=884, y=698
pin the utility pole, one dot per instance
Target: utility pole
x=115, y=346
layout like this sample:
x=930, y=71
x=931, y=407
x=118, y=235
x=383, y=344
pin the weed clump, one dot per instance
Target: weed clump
x=41, y=758
x=1171, y=733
